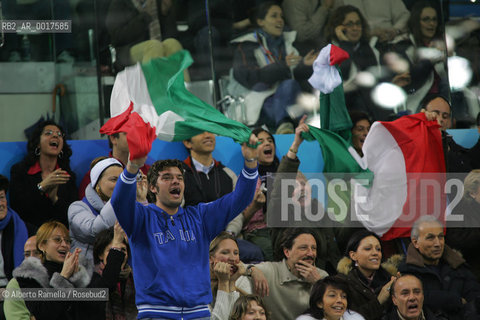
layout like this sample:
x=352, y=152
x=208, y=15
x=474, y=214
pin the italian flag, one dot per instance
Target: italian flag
x=406, y=157
x=150, y=101
x=327, y=79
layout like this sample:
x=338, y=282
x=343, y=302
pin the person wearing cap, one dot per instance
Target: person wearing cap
x=94, y=213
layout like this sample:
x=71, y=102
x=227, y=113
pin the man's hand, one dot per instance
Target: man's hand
x=250, y=152
x=432, y=116
x=135, y=164
x=308, y=271
x=260, y=283
x=142, y=187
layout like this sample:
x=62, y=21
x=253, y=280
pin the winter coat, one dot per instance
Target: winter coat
x=363, y=297
x=33, y=274
x=250, y=67
x=87, y=220
x=446, y=284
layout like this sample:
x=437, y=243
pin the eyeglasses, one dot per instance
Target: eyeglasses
x=58, y=240
x=352, y=24
x=48, y=133
x=429, y=19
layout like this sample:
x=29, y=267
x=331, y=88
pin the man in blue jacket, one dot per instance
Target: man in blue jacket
x=169, y=244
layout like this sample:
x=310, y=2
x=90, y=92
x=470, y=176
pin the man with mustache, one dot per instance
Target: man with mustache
x=450, y=287
x=290, y=280
x=407, y=296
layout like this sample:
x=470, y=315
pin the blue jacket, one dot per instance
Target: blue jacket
x=170, y=258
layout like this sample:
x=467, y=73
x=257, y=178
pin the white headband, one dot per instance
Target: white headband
x=101, y=166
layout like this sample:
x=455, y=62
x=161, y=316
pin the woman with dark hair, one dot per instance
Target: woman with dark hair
x=249, y=307
x=424, y=75
x=368, y=280
x=227, y=274
x=329, y=300
x=93, y=213
x=42, y=184
x=252, y=221
x=348, y=29
x=266, y=68
x=110, y=253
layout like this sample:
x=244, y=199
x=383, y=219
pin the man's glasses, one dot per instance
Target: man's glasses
x=49, y=133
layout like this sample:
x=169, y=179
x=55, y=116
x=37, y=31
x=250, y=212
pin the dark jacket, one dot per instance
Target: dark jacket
x=200, y=187
x=429, y=315
x=457, y=158
x=465, y=237
x=128, y=27
x=445, y=284
x=33, y=274
x=109, y=278
x=363, y=296
x=33, y=206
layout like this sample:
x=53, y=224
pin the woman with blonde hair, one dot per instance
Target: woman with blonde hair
x=58, y=268
x=227, y=274
x=249, y=307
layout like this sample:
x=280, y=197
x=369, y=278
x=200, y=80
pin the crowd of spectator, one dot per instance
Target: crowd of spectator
x=189, y=239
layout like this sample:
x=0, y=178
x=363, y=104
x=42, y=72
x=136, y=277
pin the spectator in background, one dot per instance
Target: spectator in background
x=267, y=68
x=94, y=212
x=329, y=300
x=110, y=254
x=294, y=276
x=250, y=307
x=368, y=280
x=227, y=274
x=252, y=221
x=361, y=126
x=42, y=184
x=387, y=18
x=118, y=150
x=457, y=158
x=424, y=75
x=451, y=290
x=407, y=296
x=30, y=249
x=308, y=18
x=142, y=29
x=474, y=152
x=328, y=253
x=348, y=29
x=205, y=178
x=465, y=235
x=59, y=268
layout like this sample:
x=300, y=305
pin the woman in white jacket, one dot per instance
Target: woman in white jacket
x=94, y=213
x=329, y=300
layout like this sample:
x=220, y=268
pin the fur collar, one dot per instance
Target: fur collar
x=33, y=268
x=345, y=265
x=453, y=258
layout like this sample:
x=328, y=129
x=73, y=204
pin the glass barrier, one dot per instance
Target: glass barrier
x=252, y=59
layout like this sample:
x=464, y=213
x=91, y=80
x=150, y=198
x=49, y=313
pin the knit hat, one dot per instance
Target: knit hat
x=101, y=166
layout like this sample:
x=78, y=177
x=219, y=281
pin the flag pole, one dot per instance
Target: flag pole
x=212, y=60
